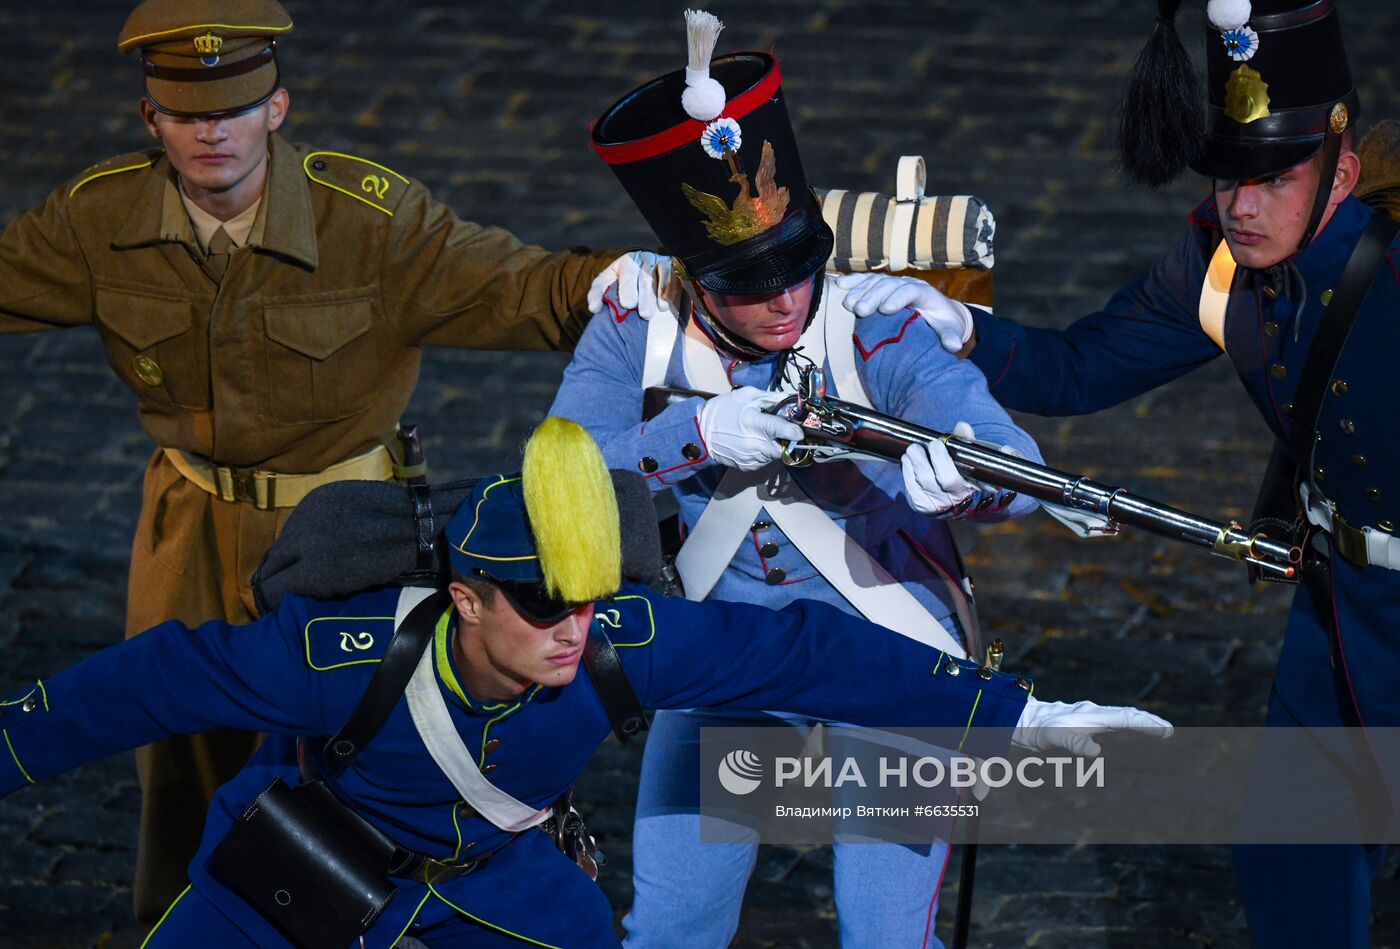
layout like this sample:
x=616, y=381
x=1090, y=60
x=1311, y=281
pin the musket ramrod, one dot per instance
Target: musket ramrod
x=836, y=428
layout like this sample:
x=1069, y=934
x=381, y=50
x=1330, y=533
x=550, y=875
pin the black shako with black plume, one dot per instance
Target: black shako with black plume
x=1162, y=129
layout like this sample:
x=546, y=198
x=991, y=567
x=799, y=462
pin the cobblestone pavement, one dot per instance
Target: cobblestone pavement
x=489, y=104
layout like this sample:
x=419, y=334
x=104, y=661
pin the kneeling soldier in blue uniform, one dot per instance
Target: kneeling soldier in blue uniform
x=418, y=817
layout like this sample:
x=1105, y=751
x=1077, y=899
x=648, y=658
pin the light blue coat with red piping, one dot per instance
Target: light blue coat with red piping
x=905, y=372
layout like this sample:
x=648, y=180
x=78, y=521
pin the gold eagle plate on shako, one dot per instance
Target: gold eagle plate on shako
x=750, y=214
x=1246, y=96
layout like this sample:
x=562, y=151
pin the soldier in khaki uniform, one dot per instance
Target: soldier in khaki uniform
x=266, y=302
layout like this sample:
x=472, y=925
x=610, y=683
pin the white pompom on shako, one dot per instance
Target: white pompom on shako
x=1228, y=14
x=704, y=97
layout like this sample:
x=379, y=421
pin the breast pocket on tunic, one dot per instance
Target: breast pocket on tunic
x=322, y=359
x=153, y=344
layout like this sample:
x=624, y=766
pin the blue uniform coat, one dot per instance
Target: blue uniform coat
x=301, y=670
x=1150, y=333
x=905, y=372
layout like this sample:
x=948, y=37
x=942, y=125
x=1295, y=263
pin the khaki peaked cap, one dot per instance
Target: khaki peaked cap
x=204, y=57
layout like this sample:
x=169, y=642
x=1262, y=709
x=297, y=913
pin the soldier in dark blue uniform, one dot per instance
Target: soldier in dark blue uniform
x=536, y=565
x=1257, y=275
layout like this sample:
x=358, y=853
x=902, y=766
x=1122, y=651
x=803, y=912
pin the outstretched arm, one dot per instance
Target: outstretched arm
x=456, y=283
x=816, y=660
x=813, y=659
x=44, y=279
x=170, y=680
x=1147, y=335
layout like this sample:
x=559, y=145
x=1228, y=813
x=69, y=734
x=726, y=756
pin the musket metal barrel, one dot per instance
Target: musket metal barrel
x=868, y=432
x=863, y=431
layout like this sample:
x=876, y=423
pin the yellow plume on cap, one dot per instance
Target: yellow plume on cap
x=573, y=512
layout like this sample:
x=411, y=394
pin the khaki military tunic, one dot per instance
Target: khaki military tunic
x=303, y=354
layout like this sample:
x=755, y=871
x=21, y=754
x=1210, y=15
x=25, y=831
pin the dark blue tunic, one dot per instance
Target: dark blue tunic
x=300, y=672
x=1149, y=334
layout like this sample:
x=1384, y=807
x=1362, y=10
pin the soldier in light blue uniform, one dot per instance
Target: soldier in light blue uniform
x=504, y=659
x=758, y=296
x=1283, y=223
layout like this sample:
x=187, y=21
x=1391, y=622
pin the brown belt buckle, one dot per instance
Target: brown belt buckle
x=438, y=871
x=242, y=485
x=234, y=485
x=254, y=486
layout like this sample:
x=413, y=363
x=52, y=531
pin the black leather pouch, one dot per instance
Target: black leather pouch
x=298, y=859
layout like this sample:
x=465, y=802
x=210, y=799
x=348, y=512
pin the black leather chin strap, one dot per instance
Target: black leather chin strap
x=1331, y=151
x=740, y=346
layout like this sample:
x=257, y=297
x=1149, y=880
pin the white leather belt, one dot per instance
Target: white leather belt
x=1363, y=546
x=435, y=727
x=725, y=522
x=842, y=562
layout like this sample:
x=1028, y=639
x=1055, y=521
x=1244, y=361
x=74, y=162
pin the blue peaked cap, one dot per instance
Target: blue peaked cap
x=489, y=537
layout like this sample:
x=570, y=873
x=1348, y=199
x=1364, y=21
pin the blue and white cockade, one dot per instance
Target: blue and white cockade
x=721, y=137
x=1241, y=43
x=1231, y=18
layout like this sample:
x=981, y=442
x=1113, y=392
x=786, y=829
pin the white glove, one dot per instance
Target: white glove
x=868, y=292
x=1057, y=726
x=740, y=434
x=641, y=277
x=932, y=483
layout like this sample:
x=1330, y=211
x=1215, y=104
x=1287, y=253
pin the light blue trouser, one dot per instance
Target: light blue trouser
x=689, y=893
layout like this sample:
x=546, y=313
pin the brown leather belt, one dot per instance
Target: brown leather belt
x=422, y=868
